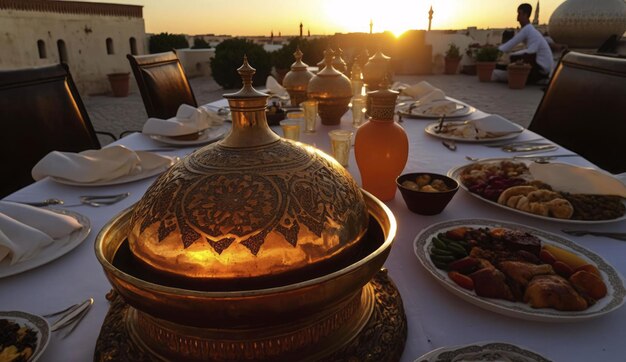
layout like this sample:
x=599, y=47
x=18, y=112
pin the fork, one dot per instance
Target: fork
x=617, y=236
x=70, y=316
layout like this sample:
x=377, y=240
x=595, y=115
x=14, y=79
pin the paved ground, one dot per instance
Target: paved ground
x=119, y=114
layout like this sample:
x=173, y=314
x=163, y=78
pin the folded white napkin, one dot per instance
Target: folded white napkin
x=424, y=92
x=25, y=230
x=438, y=108
x=95, y=165
x=188, y=120
x=496, y=123
x=274, y=87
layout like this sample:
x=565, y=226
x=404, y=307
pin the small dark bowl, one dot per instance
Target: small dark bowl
x=427, y=203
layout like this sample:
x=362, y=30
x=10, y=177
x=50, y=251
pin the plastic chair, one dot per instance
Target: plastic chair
x=583, y=109
x=41, y=112
x=162, y=83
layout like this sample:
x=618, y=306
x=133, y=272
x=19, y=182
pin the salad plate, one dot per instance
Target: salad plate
x=616, y=292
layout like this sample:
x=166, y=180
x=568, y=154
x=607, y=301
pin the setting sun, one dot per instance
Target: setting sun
x=396, y=16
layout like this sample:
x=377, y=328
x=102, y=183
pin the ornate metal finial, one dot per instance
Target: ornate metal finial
x=298, y=54
x=246, y=72
x=328, y=57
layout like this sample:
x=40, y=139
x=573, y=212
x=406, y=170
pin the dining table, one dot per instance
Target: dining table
x=435, y=317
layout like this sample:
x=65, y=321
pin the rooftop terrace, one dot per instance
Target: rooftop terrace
x=119, y=114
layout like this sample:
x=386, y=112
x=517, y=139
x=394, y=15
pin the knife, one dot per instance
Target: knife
x=548, y=156
x=515, y=143
x=527, y=148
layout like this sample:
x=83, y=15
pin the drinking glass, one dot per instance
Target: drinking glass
x=310, y=114
x=291, y=128
x=340, y=142
x=358, y=111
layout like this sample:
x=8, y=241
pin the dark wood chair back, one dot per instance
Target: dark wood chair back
x=41, y=111
x=583, y=109
x=162, y=83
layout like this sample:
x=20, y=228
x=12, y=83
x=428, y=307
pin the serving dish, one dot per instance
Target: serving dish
x=456, y=172
x=616, y=292
x=482, y=351
x=53, y=251
x=35, y=323
x=433, y=130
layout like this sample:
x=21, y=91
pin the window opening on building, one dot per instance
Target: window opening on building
x=41, y=46
x=133, y=45
x=110, y=46
x=62, y=51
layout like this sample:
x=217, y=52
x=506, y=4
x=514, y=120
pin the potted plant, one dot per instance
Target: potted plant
x=469, y=64
x=486, y=57
x=120, y=83
x=452, y=59
x=518, y=74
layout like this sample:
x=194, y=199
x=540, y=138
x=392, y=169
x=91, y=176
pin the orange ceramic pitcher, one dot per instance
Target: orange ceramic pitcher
x=381, y=146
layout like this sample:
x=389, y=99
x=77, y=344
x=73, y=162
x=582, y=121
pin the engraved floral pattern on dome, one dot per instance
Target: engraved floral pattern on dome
x=222, y=195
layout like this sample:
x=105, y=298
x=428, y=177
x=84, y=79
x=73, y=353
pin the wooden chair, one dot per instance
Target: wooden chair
x=41, y=112
x=583, y=109
x=162, y=83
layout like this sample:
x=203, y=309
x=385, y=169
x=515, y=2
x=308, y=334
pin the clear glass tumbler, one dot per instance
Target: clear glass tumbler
x=341, y=142
x=310, y=114
x=291, y=129
x=358, y=111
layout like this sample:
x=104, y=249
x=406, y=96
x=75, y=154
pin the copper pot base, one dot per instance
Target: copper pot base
x=375, y=329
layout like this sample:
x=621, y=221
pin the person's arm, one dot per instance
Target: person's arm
x=516, y=39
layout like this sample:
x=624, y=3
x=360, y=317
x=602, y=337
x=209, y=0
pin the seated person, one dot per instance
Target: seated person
x=537, y=52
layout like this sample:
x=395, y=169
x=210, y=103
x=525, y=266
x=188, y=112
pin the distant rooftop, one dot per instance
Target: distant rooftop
x=73, y=7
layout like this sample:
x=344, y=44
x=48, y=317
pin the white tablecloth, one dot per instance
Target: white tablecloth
x=436, y=318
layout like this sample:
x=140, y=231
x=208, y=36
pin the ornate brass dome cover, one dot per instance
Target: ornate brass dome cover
x=297, y=80
x=252, y=206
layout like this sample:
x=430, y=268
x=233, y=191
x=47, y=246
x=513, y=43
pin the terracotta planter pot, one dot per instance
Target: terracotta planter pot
x=484, y=70
x=469, y=69
x=452, y=65
x=120, y=84
x=518, y=75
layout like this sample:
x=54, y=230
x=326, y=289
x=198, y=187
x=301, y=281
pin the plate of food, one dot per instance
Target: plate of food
x=572, y=194
x=482, y=351
x=486, y=129
x=436, y=109
x=23, y=336
x=53, y=251
x=519, y=271
x=206, y=136
x=147, y=158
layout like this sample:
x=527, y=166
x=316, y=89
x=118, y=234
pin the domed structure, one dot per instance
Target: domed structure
x=254, y=207
x=297, y=80
x=587, y=24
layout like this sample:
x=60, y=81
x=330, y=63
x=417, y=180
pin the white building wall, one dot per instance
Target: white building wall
x=85, y=40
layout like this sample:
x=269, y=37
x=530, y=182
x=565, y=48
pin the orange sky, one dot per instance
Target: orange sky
x=256, y=17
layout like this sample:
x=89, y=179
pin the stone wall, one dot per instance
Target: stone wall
x=96, y=38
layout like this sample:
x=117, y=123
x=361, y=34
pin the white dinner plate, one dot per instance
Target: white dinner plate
x=209, y=135
x=423, y=111
x=53, y=251
x=34, y=322
x=455, y=173
x=126, y=178
x=431, y=129
x=614, y=283
x=482, y=351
